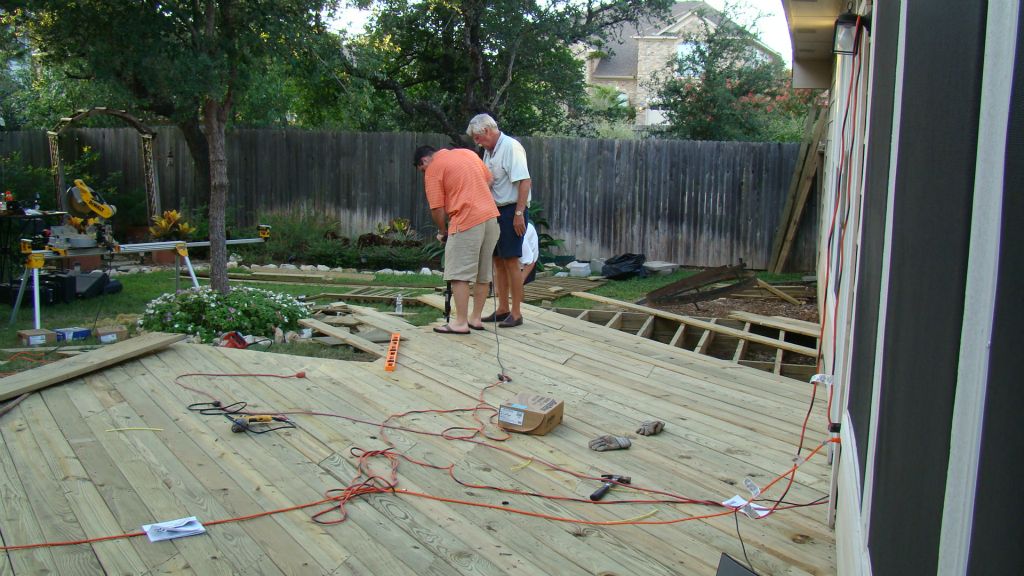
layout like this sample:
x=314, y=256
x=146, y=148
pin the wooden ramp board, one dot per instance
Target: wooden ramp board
x=300, y=276
x=344, y=335
x=372, y=295
x=550, y=287
x=69, y=368
x=119, y=448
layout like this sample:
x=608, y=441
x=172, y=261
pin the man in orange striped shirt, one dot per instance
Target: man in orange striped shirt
x=458, y=190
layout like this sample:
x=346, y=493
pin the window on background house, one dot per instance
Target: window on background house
x=684, y=53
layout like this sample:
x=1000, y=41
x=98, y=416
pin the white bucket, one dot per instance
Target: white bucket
x=579, y=269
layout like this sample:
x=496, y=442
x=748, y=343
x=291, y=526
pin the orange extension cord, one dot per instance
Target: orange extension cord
x=852, y=85
x=368, y=482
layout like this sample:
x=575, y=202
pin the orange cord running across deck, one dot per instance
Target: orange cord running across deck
x=367, y=482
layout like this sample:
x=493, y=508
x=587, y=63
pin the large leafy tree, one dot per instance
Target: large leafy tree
x=446, y=60
x=308, y=88
x=726, y=86
x=185, y=60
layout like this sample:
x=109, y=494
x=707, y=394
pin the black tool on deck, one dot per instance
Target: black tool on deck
x=258, y=423
x=612, y=480
x=447, y=301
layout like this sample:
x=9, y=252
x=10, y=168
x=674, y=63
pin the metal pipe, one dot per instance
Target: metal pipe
x=35, y=291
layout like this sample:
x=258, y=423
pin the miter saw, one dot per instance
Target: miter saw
x=85, y=225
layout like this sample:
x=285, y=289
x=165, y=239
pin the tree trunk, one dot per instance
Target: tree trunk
x=215, y=114
x=200, y=151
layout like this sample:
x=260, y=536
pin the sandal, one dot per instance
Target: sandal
x=446, y=329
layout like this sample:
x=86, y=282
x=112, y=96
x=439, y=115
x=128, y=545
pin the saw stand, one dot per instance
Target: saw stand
x=34, y=260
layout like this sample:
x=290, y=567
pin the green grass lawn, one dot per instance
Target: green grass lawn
x=139, y=289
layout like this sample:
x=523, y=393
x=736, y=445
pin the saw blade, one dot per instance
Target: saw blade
x=75, y=203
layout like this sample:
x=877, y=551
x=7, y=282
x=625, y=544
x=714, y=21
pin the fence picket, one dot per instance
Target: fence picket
x=695, y=203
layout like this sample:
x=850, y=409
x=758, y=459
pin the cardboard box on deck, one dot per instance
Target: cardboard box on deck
x=111, y=334
x=37, y=337
x=72, y=333
x=531, y=414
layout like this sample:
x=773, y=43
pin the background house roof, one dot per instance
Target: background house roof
x=623, y=60
x=625, y=50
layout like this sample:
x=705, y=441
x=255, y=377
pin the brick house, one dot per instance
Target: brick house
x=647, y=49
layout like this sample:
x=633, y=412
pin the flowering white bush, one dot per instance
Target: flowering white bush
x=207, y=314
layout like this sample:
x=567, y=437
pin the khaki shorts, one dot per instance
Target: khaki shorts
x=467, y=255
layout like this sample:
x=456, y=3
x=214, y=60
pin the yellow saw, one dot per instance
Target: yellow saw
x=90, y=212
x=84, y=201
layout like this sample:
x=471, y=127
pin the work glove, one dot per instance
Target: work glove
x=650, y=428
x=609, y=442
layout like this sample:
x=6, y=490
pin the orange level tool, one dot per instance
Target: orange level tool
x=389, y=361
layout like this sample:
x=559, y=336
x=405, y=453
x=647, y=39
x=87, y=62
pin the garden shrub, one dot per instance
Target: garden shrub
x=333, y=253
x=206, y=313
x=398, y=257
x=291, y=238
x=315, y=240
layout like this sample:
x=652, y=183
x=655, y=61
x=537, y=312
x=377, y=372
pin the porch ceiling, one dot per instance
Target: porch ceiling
x=810, y=28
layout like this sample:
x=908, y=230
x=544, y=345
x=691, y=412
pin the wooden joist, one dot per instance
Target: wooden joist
x=69, y=368
x=773, y=342
x=779, y=322
x=795, y=291
x=705, y=339
x=741, y=345
x=777, y=292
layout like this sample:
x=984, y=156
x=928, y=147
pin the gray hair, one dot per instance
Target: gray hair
x=480, y=123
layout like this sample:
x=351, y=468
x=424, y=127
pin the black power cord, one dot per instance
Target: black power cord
x=736, y=517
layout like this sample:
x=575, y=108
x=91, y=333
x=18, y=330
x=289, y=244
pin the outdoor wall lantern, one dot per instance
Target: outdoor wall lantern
x=846, y=37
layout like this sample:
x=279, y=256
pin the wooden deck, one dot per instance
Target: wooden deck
x=68, y=473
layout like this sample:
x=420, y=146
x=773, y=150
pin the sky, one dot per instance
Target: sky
x=772, y=27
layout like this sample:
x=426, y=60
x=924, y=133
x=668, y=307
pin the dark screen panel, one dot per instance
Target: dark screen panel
x=995, y=531
x=885, y=36
x=934, y=183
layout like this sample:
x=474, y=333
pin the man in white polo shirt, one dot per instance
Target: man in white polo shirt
x=506, y=159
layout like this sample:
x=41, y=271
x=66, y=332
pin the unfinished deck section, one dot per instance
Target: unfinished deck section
x=107, y=452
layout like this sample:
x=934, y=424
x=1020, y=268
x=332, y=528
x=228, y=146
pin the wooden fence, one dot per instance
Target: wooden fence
x=694, y=203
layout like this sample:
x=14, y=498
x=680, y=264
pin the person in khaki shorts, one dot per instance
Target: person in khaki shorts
x=458, y=187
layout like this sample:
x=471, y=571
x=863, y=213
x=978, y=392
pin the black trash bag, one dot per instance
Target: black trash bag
x=624, y=266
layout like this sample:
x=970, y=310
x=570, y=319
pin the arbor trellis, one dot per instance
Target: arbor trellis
x=147, y=135
x=182, y=60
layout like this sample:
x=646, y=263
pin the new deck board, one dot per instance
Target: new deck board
x=725, y=423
